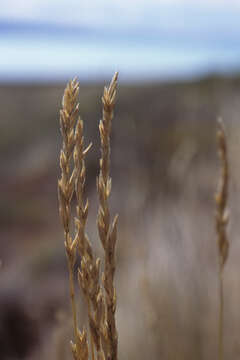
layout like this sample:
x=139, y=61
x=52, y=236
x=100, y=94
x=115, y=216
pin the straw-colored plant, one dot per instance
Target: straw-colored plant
x=222, y=217
x=98, y=289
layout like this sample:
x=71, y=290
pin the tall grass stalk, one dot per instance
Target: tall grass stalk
x=68, y=118
x=222, y=218
x=98, y=291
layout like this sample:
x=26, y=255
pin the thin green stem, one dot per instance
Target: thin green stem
x=221, y=307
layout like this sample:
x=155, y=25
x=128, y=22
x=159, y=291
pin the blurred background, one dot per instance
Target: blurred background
x=179, y=69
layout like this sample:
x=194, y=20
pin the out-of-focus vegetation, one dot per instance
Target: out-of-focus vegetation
x=164, y=170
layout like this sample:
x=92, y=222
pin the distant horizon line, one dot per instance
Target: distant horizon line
x=90, y=79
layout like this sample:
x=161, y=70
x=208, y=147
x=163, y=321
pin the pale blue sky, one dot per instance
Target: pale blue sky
x=142, y=39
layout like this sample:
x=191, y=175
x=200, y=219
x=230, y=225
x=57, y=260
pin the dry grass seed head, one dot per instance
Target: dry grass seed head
x=107, y=231
x=101, y=306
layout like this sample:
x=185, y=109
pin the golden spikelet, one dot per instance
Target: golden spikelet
x=68, y=118
x=107, y=231
x=101, y=305
x=73, y=178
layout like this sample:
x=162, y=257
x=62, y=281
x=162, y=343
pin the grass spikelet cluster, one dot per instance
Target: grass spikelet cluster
x=98, y=290
x=107, y=231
